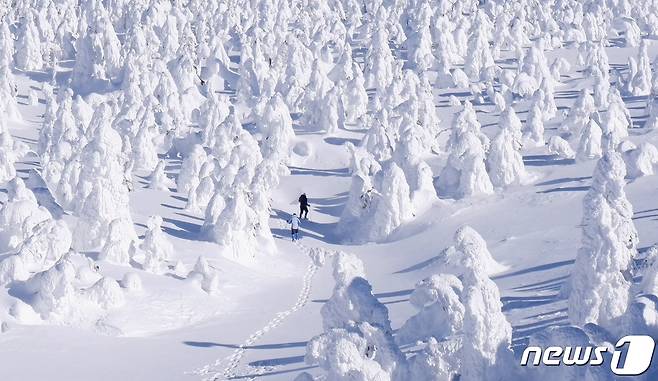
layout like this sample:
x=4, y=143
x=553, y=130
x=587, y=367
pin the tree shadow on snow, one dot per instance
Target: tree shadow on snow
x=634, y=98
x=18, y=290
x=554, y=284
x=208, y=344
x=563, y=180
x=567, y=94
x=566, y=189
x=339, y=172
x=179, y=198
x=522, y=332
x=418, y=266
x=278, y=361
x=190, y=216
x=520, y=302
x=321, y=231
x=186, y=230
x=382, y=295
x=545, y=160
x=647, y=211
x=544, y=267
x=171, y=206
x=644, y=216
x=332, y=206
x=340, y=141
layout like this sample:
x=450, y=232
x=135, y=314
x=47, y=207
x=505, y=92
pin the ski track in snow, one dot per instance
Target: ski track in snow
x=234, y=360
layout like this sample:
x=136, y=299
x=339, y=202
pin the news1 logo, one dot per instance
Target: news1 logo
x=638, y=351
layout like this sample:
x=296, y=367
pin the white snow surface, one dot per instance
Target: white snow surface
x=191, y=275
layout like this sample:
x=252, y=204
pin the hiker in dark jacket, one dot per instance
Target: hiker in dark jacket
x=303, y=206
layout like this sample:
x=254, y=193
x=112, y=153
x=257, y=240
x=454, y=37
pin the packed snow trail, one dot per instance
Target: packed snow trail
x=230, y=371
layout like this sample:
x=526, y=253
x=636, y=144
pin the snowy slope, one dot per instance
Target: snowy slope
x=174, y=332
x=259, y=320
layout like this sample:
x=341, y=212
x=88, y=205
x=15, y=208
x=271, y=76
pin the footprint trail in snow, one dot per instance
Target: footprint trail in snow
x=234, y=360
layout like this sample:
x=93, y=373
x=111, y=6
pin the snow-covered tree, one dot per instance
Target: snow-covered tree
x=438, y=360
x=560, y=147
x=200, y=194
x=545, y=98
x=6, y=44
x=486, y=353
x=465, y=173
x=641, y=82
x=101, y=206
x=379, y=61
x=145, y=155
x=589, y=146
x=641, y=160
x=44, y=244
x=28, y=45
x=96, y=182
x=440, y=311
x=57, y=298
x=388, y=205
x=468, y=239
x=633, y=33
x=504, y=162
x=206, y=275
x=479, y=55
x=446, y=52
x=275, y=125
x=234, y=227
x=533, y=132
x=652, y=120
x=360, y=352
x=599, y=290
x=464, y=314
x=117, y=244
x=601, y=87
x=8, y=154
x=357, y=342
x=333, y=113
x=354, y=302
x=359, y=203
x=579, y=115
x=156, y=247
x=98, y=49
x=419, y=41
x=158, y=179
x=8, y=103
x=617, y=122
x=19, y=215
x=188, y=176
x=354, y=97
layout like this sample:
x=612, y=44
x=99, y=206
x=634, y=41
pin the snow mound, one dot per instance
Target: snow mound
x=131, y=282
x=13, y=268
x=19, y=215
x=106, y=293
x=440, y=311
x=346, y=268
x=60, y=294
x=468, y=251
x=359, y=352
x=354, y=302
x=560, y=147
x=205, y=274
x=156, y=247
x=640, y=161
